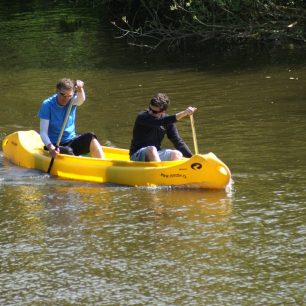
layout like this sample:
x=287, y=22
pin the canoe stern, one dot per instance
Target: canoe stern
x=17, y=150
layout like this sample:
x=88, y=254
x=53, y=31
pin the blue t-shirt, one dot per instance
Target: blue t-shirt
x=55, y=113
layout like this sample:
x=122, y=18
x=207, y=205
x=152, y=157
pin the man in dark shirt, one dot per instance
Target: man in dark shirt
x=150, y=128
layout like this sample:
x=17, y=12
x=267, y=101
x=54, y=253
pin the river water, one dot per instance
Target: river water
x=73, y=243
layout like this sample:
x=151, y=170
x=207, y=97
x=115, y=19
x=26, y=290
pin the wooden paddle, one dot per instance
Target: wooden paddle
x=195, y=143
x=62, y=130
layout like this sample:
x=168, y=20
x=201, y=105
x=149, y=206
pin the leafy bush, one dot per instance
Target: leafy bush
x=153, y=23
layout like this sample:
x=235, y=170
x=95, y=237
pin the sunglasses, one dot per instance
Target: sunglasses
x=65, y=96
x=154, y=111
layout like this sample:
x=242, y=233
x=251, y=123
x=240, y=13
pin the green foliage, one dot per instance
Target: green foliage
x=156, y=22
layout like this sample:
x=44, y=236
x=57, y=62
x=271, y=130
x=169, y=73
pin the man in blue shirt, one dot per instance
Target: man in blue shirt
x=52, y=114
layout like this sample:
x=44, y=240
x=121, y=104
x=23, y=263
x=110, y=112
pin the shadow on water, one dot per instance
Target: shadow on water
x=52, y=36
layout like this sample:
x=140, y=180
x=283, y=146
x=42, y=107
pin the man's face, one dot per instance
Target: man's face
x=155, y=111
x=64, y=96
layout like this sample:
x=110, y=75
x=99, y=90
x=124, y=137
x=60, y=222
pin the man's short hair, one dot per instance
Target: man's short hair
x=160, y=100
x=65, y=84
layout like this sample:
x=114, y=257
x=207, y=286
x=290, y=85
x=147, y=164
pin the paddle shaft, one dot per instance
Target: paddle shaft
x=195, y=143
x=62, y=130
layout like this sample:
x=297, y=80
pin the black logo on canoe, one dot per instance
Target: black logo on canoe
x=196, y=166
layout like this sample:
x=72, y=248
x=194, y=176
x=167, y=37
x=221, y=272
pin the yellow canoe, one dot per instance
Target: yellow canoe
x=25, y=149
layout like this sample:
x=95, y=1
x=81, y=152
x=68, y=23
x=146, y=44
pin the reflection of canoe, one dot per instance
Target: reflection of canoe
x=25, y=149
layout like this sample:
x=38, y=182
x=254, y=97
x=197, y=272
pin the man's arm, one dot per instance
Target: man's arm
x=188, y=111
x=79, y=100
x=177, y=141
x=44, y=125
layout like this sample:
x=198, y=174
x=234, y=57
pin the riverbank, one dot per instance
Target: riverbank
x=182, y=24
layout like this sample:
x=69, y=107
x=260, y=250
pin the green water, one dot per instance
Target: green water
x=74, y=243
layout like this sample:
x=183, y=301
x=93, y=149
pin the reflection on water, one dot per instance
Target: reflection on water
x=62, y=232
x=66, y=238
x=72, y=243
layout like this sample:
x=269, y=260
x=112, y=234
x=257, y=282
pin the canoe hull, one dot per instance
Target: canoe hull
x=25, y=149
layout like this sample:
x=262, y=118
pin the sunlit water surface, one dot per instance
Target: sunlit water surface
x=73, y=243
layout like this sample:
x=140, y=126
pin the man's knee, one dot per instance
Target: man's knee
x=151, y=150
x=94, y=141
x=176, y=155
x=151, y=153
